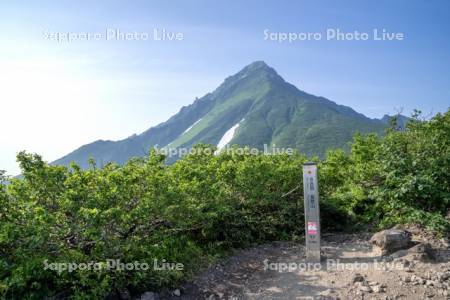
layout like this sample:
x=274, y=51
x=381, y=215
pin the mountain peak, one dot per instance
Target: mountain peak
x=258, y=69
x=275, y=113
x=252, y=74
x=258, y=66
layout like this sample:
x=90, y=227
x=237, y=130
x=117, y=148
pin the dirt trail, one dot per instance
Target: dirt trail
x=349, y=270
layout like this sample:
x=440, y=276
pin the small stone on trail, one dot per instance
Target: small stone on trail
x=326, y=292
x=430, y=283
x=274, y=289
x=445, y=276
x=358, y=278
x=378, y=289
x=365, y=288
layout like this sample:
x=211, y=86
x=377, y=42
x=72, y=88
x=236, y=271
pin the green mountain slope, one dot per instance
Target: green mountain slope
x=258, y=106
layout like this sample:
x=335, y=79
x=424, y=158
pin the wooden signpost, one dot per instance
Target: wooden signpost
x=312, y=211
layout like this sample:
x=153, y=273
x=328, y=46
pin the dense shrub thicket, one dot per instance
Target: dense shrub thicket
x=204, y=204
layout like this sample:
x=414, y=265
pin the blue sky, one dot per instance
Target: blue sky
x=56, y=96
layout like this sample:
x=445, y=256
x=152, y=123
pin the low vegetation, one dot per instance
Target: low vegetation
x=196, y=209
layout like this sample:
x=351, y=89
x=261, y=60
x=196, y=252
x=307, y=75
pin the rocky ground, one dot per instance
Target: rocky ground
x=351, y=268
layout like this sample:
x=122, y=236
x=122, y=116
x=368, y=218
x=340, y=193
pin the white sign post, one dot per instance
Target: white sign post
x=312, y=211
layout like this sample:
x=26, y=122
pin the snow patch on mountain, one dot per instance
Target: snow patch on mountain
x=191, y=126
x=226, y=138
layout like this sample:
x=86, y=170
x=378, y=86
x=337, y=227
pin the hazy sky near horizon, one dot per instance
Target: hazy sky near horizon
x=58, y=95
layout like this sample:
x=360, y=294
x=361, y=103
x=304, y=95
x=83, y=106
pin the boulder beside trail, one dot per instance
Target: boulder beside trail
x=421, y=251
x=391, y=240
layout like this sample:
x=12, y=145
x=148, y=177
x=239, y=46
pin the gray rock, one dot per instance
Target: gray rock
x=389, y=241
x=417, y=280
x=149, y=296
x=421, y=251
x=358, y=278
x=365, y=288
x=430, y=283
x=445, y=276
x=124, y=295
x=177, y=292
x=379, y=288
x=326, y=292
